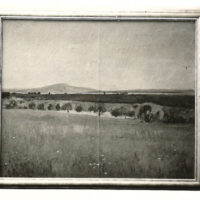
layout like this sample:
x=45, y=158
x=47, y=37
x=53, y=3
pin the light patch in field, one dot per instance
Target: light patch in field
x=79, y=129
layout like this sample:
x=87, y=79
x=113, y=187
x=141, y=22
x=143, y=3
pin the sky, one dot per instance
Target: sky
x=108, y=55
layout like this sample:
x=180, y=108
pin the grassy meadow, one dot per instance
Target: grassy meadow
x=61, y=144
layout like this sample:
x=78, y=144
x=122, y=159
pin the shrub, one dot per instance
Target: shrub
x=50, y=107
x=66, y=106
x=58, y=106
x=40, y=106
x=145, y=113
x=31, y=105
x=123, y=111
x=115, y=112
x=148, y=116
x=11, y=104
x=174, y=116
x=144, y=109
x=79, y=108
x=91, y=108
x=101, y=109
x=131, y=113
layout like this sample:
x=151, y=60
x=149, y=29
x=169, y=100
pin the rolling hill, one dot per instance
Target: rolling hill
x=59, y=88
x=62, y=88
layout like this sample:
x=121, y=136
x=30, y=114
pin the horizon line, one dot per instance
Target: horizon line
x=3, y=89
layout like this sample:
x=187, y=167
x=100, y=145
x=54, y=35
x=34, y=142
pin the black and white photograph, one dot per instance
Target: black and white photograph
x=99, y=99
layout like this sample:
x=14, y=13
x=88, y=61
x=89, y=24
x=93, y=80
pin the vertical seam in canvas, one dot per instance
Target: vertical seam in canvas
x=98, y=131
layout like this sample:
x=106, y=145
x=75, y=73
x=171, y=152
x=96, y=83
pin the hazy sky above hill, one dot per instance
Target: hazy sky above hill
x=100, y=55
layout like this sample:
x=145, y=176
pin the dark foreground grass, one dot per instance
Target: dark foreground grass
x=60, y=144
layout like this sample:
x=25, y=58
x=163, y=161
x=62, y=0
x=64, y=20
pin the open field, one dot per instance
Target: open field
x=61, y=144
x=147, y=111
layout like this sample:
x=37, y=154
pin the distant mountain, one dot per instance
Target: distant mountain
x=59, y=88
x=62, y=88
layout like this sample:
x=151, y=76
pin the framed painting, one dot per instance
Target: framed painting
x=100, y=101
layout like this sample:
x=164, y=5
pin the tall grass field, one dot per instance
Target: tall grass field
x=63, y=144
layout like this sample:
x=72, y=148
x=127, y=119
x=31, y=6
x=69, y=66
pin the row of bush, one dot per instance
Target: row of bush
x=178, y=116
x=122, y=112
x=170, y=115
x=144, y=113
x=41, y=106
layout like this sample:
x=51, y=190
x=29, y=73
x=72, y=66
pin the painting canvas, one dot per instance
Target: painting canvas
x=98, y=99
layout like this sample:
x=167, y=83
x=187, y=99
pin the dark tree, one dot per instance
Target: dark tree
x=98, y=108
x=50, y=107
x=91, y=108
x=145, y=113
x=31, y=105
x=101, y=109
x=115, y=112
x=144, y=109
x=11, y=104
x=66, y=106
x=58, y=106
x=40, y=106
x=123, y=111
x=79, y=108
